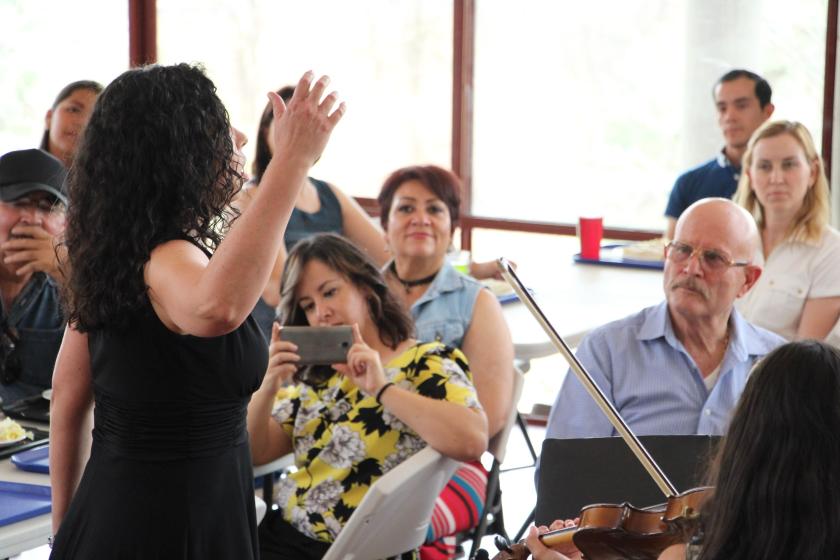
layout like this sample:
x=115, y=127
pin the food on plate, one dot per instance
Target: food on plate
x=650, y=250
x=497, y=287
x=12, y=431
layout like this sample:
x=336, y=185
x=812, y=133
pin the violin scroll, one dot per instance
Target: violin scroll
x=507, y=551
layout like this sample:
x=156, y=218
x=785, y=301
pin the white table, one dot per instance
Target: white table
x=576, y=298
x=29, y=533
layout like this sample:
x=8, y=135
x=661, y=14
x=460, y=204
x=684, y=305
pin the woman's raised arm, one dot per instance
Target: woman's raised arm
x=194, y=295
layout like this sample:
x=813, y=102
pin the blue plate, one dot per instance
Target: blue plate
x=33, y=460
x=610, y=260
x=22, y=501
x=508, y=298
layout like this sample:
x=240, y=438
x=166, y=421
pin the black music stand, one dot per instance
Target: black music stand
x=578, y=472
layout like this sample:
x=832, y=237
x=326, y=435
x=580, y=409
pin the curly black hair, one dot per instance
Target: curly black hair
x=155, y=164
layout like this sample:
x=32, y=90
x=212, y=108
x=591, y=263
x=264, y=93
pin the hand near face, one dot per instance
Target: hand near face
x=302, y=128
x=32, y=249
x=363, y=367
x=282, y=360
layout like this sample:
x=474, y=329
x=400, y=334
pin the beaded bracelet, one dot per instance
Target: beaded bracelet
x=382, y=390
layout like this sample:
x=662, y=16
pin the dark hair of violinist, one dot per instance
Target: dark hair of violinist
x=776, y=477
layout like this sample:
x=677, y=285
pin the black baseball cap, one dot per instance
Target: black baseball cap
x=26, y=171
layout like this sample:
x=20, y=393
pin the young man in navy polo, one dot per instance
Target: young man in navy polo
x=742, y=100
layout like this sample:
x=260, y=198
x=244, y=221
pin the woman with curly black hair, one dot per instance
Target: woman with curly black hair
x=160, y=335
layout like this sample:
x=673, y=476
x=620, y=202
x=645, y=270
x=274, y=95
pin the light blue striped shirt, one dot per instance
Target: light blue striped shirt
x=653, y=382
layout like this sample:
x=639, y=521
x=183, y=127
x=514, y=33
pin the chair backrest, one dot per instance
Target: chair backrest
x=279, y=464
x=395, y=512
x=498, y=443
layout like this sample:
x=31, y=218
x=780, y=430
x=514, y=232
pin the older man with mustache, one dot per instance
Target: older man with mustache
x=680, y=366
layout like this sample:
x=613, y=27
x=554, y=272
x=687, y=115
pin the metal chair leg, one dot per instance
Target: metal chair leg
x=524, y=427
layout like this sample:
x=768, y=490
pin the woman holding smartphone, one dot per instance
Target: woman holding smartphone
x=348, y=424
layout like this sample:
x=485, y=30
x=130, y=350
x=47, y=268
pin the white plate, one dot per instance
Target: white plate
x=47, y=394
x=8, y=442
x=497, y=287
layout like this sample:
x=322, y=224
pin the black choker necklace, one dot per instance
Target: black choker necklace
x=408, y=284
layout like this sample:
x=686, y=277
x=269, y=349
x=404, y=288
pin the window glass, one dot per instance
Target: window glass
x=44, y=46
x=597, y=107
x=390, y=61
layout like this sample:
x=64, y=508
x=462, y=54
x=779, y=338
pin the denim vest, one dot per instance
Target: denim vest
x=37, y=320
x=445, y=311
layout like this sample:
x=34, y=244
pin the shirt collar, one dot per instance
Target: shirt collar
x=724, y=162
x=447, y=280
x=27, y=295
x=657, y=324
x=797, y=237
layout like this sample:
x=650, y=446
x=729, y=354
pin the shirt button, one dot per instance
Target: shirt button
x=770, y=282
x=708, y=412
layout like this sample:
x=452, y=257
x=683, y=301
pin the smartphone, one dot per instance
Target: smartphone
x=320, y=345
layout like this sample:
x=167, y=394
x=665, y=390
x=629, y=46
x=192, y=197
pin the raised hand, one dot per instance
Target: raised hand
x=303, y=128
x=32, y=249
x=364, y=366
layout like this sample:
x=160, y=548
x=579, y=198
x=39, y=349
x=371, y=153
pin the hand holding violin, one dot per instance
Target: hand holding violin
x=541, y=552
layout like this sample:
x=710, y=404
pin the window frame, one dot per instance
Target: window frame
x=143, y=50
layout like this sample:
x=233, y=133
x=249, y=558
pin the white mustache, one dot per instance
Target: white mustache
x=691, y=284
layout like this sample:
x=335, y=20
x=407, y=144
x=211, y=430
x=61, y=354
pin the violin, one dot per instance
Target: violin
x=622, y=531
x=610, y=531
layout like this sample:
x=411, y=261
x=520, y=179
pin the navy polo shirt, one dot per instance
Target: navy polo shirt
x=715, y=178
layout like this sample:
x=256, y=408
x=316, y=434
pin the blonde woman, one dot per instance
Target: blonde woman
x=785, y=188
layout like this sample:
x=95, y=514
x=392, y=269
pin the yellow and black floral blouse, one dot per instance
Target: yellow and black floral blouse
x=344, y=440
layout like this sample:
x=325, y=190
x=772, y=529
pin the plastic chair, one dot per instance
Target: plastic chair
x=395, y=512
x=491, y=517
x=260, y=508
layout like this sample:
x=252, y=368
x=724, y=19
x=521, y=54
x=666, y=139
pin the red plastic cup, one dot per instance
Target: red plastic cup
x=590, y=231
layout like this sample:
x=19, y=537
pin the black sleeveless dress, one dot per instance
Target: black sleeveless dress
x=169, y=474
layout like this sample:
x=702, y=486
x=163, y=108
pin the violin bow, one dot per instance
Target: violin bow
x=607, y=407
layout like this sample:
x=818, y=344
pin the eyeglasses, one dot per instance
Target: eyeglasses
x=710, y=259
x=45, y=205
x=10, y=365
